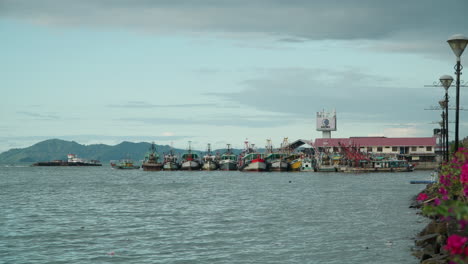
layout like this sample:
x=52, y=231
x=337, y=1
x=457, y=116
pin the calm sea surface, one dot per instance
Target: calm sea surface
x=100, y=215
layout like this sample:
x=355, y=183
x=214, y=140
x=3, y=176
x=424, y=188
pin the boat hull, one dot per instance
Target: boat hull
x=326, y=169
x=65, y=163
x=152, y=166
x=295, y=165
x=254, y=166
x=190, y=165
x=170, y=166
x=209, y=165
x=307, y=166
x=228, y=166
x=278, y=166
x=397, y=169
x=127, y=167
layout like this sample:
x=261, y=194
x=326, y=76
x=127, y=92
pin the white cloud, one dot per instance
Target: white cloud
x=168, y=134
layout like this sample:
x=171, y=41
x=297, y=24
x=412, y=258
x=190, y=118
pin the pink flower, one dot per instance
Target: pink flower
x=437, y=201
x=465, y=191
x=463, y=223
x=445, y=218
x=443, y=191
x=445, y=197
x=422, y=197
x=445, y=180
x=464, y=174
x=455, y=244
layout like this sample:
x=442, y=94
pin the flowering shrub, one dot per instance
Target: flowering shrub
x=450, y=203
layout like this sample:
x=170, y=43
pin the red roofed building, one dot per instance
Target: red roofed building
x=418, y=150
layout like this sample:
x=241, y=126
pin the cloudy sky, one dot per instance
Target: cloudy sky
x=219, y=71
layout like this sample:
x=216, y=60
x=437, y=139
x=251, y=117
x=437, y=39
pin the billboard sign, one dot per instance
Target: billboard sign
x=326, y=121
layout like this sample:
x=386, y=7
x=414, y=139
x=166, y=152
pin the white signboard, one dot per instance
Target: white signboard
x=326, y=121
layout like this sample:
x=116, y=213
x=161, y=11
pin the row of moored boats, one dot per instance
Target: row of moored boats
x=248, y=160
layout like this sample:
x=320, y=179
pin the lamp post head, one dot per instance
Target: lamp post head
x=442, y=103
x=446, y=81
x=458, y=44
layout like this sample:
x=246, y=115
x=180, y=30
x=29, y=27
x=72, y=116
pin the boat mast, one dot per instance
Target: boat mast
x=269, y=146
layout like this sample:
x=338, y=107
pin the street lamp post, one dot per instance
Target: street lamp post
x=458, y=44
x=442, y=136
x=446, y=81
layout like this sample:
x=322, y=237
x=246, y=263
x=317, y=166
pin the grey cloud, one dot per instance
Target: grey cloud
x=292, y=40
x=39, y=115
x=141, y=104
x=257, y=121
x=357, y=96
x=87, y=138
x=289, y=20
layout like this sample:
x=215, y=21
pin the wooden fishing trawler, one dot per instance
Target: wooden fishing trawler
x=295, y=161
x=251, y=160
x=151, y=162
x=125, y=164
x=307, y=164
x=170, y=161
x=190, y=160
x=209, y=160
x=275, y=159
x=228, y=160
x=325, y=163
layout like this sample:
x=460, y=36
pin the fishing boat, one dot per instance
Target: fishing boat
x=275, y=160
x=151, y=162
x=190, y=161
x=307, y=164
x=325, y=163
x=228, y=160
x=170, y=161
x=125, y=164
x=382, y=165
x=251, y=160
x=209, y=160
x=294, y=161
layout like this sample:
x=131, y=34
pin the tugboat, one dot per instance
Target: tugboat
x=228, y=160
x=209, y=160
x=190, y=161
x=151, y=160
x=170, y=161
x=251, y=160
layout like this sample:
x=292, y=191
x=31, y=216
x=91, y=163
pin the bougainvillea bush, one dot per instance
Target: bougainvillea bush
x=450, y=203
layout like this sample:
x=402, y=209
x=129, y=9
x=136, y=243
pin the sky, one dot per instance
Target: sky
x=219, y=71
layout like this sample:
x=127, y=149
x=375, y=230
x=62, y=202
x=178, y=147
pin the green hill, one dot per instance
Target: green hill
x=57, y=149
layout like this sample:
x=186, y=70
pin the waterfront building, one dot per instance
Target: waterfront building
x=420, y=151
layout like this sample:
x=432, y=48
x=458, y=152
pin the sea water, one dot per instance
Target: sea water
x=101, y=215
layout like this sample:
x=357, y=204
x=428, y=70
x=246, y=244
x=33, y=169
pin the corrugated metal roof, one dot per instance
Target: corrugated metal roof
x=376, y=141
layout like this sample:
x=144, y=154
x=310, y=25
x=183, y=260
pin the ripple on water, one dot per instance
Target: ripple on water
x=82, y=215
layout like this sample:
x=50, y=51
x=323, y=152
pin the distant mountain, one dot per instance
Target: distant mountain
x=57, y=149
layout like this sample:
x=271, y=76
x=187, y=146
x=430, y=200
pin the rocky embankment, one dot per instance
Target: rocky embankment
x=431, y=240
